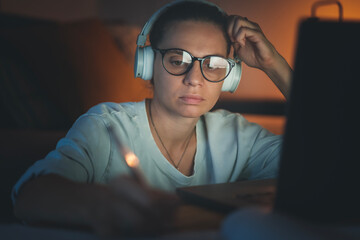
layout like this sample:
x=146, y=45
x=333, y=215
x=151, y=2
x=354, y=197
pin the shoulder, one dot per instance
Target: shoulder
x=222, y=118
x=104, y=114
x=111, y=108
x=222, y=113
x=232, y=126
x=115, y=111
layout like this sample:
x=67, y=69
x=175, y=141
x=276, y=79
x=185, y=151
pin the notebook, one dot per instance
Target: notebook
x=226, y=197
x=320, y=165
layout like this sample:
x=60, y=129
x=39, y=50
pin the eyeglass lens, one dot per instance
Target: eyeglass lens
x=213, y=68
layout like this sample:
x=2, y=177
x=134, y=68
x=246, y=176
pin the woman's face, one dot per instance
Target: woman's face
x=189, y=95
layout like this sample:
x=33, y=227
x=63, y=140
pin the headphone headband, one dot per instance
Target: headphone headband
x=141, y=39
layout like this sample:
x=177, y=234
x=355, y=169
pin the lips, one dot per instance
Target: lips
x=192, y=99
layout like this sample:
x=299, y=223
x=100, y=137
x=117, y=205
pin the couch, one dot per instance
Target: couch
x=52, y=72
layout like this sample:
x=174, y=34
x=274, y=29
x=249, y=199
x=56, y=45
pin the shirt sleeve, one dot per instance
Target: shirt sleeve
x=75, y=154
x=239, y=149
x=263, y=161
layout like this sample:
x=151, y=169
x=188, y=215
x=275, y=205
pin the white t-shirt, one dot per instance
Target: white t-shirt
x=229, y=148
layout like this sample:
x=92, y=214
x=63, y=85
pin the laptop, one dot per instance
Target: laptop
x=319, y=173
x=319, y=170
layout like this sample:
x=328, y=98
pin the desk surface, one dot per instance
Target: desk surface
x=206, y=206
x=227, y=197
x=197, y=222
x=194, y=218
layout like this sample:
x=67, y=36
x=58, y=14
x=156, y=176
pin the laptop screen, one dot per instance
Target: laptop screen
x=319, y=171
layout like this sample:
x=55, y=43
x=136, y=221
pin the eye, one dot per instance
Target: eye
x=177, y=62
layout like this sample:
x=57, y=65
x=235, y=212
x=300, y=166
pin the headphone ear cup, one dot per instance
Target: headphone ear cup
x=144, y=62
x=232, y=81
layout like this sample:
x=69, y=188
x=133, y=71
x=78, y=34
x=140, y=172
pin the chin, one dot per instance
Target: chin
x=194, y=111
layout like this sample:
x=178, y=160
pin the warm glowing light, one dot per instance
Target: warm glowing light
x=131, y=160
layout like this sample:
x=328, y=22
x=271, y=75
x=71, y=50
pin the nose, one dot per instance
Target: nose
x=194, y=77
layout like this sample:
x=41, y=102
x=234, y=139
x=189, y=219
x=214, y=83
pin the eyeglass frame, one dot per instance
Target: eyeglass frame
x=231, y=62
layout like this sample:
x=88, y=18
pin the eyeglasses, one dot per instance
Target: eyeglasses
x=179, y=62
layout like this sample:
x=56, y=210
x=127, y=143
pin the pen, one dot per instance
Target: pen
x=131, y=160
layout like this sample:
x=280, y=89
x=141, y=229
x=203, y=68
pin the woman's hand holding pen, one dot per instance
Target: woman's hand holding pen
x=254, y=49
x=130, y=206
x=127, y=207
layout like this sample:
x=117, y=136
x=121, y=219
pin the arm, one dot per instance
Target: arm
x=253, y=48
x=123, y=207
x=39, y=201
x=43, y=197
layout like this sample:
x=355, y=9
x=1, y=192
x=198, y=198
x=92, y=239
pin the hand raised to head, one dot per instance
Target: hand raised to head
x=250, y=43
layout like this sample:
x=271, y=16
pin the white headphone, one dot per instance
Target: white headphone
x=144, y=56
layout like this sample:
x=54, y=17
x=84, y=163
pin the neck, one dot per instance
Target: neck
x=175, y=138
x=165, y=123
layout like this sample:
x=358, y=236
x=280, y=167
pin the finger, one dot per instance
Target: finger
x=245, y=22
x=231, y=22
x=152, y=204
x=135, y=220
x=129, y=216
x=241, y=24
x=247, y=34
x=121, y=218
x=236, y=23
x=126, y=188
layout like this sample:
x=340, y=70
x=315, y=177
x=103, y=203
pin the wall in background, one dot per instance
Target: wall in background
x=62, y=10
x=278, y=18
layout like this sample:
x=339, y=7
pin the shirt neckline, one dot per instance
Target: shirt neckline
x=165, y=166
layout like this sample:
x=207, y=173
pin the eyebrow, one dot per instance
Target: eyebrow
x=178, y=51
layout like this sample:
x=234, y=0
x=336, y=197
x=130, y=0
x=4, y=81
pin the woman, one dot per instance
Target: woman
x=176, y=139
